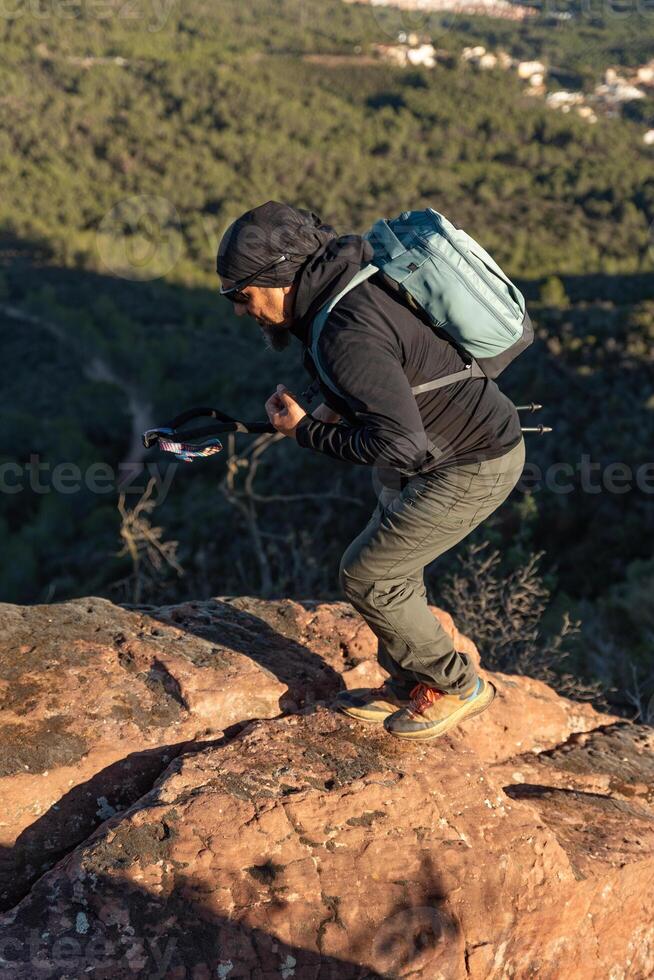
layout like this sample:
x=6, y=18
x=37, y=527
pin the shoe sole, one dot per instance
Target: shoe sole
x=377, y=719
x=366, y=719
x=484, y=701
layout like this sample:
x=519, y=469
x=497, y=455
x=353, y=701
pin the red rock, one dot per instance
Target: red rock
x=379, y=843
x=312, y=847
x=93, y=707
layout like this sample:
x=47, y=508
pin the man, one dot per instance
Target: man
x=449, y=456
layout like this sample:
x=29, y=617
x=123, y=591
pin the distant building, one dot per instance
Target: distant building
x=488, y=8
x=564, y=100
x=424, y=54
x=586, y=112
x=413, y=39
x=473, y=54
x=488, y=60
x=479, y=56
x=401, y=54
x=645, y=73
x=626, y=93
x=618, y=90
x=528, y=68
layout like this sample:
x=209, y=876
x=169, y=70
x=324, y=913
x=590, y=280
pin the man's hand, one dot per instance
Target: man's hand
x=284, y=412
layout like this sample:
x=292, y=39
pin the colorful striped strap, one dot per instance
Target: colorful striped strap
x=187, y=451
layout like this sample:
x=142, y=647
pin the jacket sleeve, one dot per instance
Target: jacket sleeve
x=364, y=362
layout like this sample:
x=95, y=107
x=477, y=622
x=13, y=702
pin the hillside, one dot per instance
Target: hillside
x=206, y=813
x=204, y=130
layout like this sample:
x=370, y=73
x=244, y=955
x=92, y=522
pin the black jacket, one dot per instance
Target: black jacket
x=374, y=349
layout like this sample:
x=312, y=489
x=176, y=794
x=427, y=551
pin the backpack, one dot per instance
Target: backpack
x=453, y=284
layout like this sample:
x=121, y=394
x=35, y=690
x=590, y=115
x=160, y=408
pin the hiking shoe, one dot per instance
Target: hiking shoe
x=432, y=712
x=371, y=703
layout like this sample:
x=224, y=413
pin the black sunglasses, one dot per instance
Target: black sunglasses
x=229, y=293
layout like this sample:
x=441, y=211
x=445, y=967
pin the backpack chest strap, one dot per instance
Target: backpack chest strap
x=472, y=370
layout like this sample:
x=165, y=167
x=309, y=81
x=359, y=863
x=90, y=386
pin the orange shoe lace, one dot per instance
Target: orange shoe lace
x=422, y=696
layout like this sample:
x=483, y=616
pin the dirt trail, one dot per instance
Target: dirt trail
x=97, y=369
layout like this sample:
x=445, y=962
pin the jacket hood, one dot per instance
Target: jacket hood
x=328, y=271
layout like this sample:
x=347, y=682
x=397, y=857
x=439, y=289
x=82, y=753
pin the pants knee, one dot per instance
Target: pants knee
x=352, y=585
x=369, y=594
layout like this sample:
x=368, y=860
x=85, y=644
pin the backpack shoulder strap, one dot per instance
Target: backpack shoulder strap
x=472, y=370
x=321, y=317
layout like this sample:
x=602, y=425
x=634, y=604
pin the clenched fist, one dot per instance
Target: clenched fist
x=284, y=412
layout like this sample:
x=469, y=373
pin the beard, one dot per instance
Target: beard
x=276, y=338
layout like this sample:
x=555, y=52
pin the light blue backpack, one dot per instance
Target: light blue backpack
x=449, y=279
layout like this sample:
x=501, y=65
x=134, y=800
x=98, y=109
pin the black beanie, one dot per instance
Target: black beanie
x=263, y=234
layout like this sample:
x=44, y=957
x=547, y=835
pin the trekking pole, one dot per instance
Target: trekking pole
x=173, y=439
x=532, y=407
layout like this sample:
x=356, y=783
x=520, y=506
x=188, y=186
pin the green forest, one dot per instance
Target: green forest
x=130, y=136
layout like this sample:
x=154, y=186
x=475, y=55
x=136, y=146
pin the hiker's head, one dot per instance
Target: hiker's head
x=259, y=259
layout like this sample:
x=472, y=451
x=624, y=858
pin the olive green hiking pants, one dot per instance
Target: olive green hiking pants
x=382, y=570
